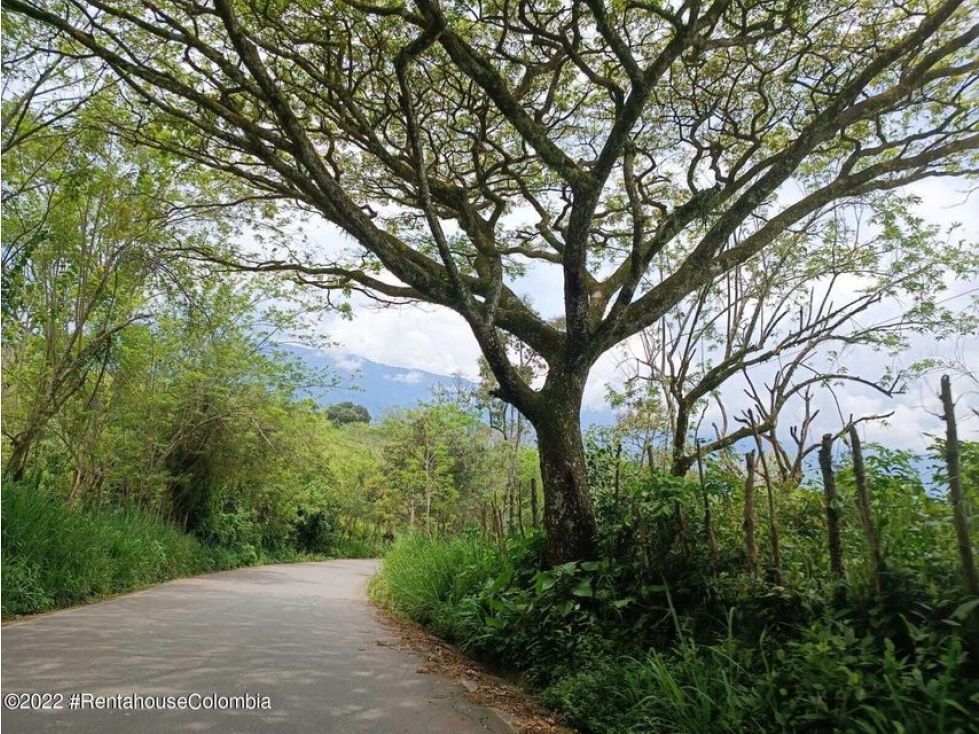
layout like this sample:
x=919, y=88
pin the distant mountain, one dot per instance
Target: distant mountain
x=378, y=387
x=381, y=387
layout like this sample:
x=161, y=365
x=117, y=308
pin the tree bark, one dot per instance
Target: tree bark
x=568, y=515
x=520, y=525
x=960, y=512
x=680, y=462
x=533, y=503
x=17, y=461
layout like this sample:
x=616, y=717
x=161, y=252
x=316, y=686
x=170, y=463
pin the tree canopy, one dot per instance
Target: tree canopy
x=348, y=412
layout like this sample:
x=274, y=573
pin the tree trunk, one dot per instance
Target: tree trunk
x=618, y=471
x=680, y=463
x=21, y=447
x=533, y=503
x=498, y=523
x=960, y=510
x=568, y=516
x=17, y=461
x=520, y=526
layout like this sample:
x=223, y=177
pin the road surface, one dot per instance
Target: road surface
x=301, y=639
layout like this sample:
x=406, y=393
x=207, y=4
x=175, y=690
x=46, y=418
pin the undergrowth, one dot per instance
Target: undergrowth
x=617, y=657
x=55, y=556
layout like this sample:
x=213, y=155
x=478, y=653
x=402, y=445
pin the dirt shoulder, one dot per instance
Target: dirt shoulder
x=513, y=704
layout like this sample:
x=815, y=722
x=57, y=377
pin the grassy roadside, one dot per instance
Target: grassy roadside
x=55, y=556
x=614, y=663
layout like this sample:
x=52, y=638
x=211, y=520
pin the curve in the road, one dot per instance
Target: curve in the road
x=302, y=635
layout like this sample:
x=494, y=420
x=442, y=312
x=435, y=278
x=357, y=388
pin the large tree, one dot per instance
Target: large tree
x=457, y=143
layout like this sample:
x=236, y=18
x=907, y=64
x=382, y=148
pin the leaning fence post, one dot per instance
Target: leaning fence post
x=863, y=504
x=750, y=544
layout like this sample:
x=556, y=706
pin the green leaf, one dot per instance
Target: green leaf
x=543, y=581
x=583, y=589
x=963, y=611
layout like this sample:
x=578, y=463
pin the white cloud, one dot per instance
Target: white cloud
x=348, y=363
x=609, y=370
x=543, y=286
x=410, y=378
x=416, y=338
x=944, y=201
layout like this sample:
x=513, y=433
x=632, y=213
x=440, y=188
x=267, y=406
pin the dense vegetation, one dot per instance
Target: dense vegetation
x=151, y=426
x=54, y=556
x=638, y=154
x=722, y=186
x=142, y=399
x=660, y=634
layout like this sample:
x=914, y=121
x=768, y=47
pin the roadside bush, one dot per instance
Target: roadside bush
x=832, y=678
x=54, y=556
x=422, y=576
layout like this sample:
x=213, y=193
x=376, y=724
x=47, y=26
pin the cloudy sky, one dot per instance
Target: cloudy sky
x=437, y=340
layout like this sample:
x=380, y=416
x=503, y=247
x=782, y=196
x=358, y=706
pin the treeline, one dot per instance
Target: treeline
x=729, y=598
x=151, y=426
x=144, y=396
x=145, y=399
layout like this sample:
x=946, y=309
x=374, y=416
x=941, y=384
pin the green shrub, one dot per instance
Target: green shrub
x=834, y=679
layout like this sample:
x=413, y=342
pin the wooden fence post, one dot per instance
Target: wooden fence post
x=708, y=520
x=750, y=544
x=832, y=512
x=960, y=510
x=866, y=517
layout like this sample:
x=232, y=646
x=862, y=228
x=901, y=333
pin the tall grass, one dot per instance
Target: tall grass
x=54, y=556
x=421, y=577
x=608, y=676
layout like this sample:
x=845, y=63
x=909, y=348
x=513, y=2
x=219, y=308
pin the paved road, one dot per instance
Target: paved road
x=303, y=635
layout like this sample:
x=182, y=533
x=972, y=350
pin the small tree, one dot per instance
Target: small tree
x=790, y=324
x=437, y=463
x=347, y=412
